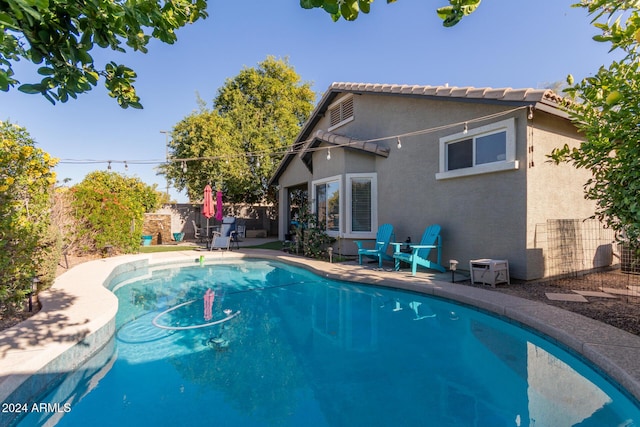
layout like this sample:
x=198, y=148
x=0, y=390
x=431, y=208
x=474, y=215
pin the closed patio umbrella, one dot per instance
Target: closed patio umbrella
x=219, y=205
x=207, y=205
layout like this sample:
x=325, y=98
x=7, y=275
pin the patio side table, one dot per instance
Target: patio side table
x=489, y=271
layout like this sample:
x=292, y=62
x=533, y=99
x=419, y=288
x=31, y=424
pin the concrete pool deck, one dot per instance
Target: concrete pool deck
x=78, y=317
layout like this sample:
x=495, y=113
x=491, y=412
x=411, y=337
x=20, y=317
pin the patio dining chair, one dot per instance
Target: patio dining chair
x=197, y=232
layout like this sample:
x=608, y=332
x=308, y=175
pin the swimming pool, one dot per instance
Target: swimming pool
x=293, y=348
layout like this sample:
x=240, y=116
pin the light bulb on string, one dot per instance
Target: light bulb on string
x=126, y=166
x=398, y=143
x=466, y=128
x=328, y=153
x=109, y=165
x=184, y=166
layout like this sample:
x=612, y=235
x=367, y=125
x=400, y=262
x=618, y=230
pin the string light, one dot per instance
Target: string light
x=297, y=147
x=126, y=166
x=466, y=129
x=398, y=143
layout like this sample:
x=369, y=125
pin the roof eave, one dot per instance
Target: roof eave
x=553, y=109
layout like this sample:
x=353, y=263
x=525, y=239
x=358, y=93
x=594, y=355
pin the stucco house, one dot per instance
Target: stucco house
x=473, y=160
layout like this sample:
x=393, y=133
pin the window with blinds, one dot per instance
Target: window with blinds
x=353, y=214
x=361, y=204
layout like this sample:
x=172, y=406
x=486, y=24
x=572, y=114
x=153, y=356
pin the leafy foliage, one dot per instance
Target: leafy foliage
x=255, y=117
x=350, y=9
x=311, y=236
x=109, y=209
x=27, y=242
x=607, y=112
x=61, y=34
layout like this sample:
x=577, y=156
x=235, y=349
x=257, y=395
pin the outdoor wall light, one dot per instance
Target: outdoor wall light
x=453, y=266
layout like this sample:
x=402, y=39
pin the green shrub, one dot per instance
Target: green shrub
x=109, y=210
x=28, y=243
x=310, y=235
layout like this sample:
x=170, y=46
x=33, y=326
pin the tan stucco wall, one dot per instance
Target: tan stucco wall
x=482, y=216
x=553, y=191
x=491, y=215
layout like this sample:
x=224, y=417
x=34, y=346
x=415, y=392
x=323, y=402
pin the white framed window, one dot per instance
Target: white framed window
x=358, y=204
x=327, y=197
x=340, y=112
x=362, y=205
x=489, y=148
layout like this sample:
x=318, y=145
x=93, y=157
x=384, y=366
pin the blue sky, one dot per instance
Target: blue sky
x=505, y=43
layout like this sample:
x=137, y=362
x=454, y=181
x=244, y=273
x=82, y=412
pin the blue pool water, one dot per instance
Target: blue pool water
x=275, y=345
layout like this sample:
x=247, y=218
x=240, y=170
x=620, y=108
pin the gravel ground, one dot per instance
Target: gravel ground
x=622, y=312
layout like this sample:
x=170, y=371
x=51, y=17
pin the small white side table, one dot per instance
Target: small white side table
x=489, y=271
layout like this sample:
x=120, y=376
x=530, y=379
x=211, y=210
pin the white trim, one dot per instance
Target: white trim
x=342, y=123
x=479, y=170
x=374, y=207
x=509, y=163
x=334, y=178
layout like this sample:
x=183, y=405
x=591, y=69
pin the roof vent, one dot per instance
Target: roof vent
x=341, y=112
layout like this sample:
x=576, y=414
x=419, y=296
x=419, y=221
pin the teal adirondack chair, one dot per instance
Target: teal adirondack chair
x=383, y=239
x=420, y=253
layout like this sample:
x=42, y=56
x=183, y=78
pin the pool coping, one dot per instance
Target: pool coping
x=79, y=309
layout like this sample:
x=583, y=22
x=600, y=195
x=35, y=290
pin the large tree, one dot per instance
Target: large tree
x=61, y=34
x=237, y=145
x=606, y=109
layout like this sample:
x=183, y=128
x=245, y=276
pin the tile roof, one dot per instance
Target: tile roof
x=544, y=99
x=499, y=94
x=344, y=141
x=334, y=139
